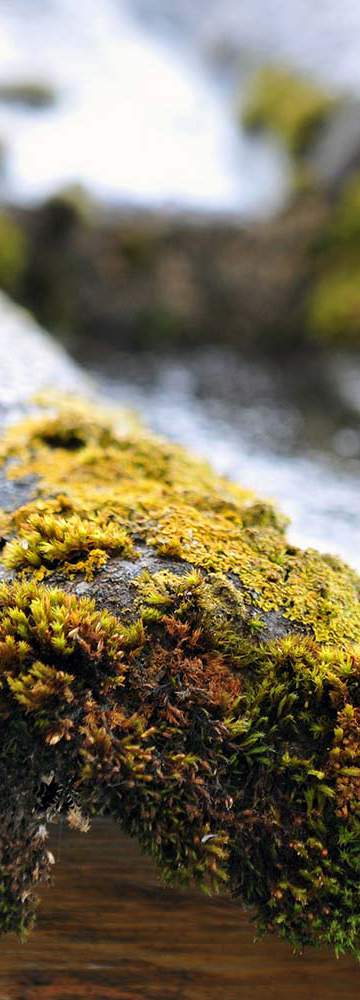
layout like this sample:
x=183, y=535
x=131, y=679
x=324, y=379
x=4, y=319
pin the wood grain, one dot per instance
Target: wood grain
x=108, y=931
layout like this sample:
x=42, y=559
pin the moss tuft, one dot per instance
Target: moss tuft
x=333, y=311
x=333, y=304
x=13, y=254
x=333, y=307
x=215, y=716
x=289, y=105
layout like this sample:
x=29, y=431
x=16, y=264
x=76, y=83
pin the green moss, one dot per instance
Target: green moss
x=333, y=306
x=13, y=253
x=333, y=311
x=344, y=228
x=216, y=719
x=291, y=106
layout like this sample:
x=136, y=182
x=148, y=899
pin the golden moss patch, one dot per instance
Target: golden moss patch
x=102, y=490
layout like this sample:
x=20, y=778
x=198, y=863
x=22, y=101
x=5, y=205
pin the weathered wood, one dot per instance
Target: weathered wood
x=108, y=930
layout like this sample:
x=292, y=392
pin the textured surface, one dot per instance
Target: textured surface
x=108, y=931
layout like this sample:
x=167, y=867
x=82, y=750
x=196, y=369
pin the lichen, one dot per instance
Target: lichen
x=215, y=716
x=288, y=104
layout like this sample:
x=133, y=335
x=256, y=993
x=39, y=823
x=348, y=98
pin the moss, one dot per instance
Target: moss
x=215, y=717
x=101, y=489
x=291, y=106
x=333, y=311
x=13, y=253
x=30, y=93
x=333, y=306
x=344, y=227
x=71, y=204
x=138, y=244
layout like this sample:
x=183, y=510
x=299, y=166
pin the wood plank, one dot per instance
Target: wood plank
x=109, y=931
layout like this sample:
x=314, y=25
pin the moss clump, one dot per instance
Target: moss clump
x=333, y=312
x=343, y=231
x=215, y=716
x=333, y=307
x=29, y=93
x=289, y=105
x=13, y=254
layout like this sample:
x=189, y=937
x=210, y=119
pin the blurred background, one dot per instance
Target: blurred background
x=180, y=208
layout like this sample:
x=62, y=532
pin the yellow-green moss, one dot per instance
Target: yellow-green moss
x=13, y=253
x=333, y=311
x=104, y=490
x=290, y=105
x=216, y=718
x=333, y=306
x=344, y=227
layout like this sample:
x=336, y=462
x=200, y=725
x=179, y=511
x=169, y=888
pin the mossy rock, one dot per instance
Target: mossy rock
x=168, y=659
x=288, y=104
x=13, y=254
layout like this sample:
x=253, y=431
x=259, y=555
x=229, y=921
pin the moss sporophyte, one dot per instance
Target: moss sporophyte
x=204, y=693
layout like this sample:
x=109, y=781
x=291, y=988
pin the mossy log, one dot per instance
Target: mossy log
x=168, y=659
